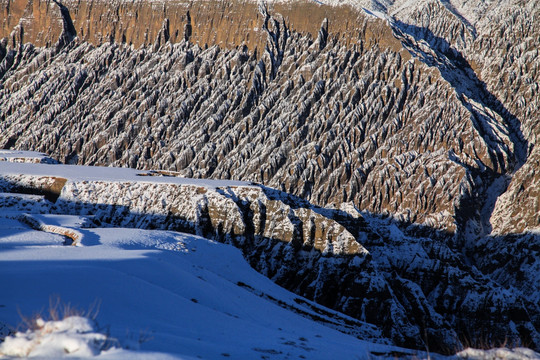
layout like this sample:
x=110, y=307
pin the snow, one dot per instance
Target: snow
x=109, y=174
x=12, y=154
x=180, y=291
x=25, y=156
x=503, y=353
x=72, y=335
x=376, y=14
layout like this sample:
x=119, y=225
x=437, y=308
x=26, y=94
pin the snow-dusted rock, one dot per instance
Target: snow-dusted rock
x=26, y=156
x=423, y=111
x=502, y=353
x=75, y=335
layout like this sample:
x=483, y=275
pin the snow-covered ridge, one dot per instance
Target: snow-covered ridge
x=26, y=157
x=188, y=204
x=108, y=174
x=73, y=236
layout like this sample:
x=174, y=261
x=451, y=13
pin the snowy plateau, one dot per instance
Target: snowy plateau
x=280, y=179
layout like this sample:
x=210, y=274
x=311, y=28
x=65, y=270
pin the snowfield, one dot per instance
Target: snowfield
x=109, y=174
x=157, y=291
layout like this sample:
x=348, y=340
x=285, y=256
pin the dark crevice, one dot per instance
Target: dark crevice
x=476, y=207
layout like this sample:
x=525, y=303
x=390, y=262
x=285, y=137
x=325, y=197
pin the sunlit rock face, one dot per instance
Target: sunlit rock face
x=424, y=112
x=334, y=118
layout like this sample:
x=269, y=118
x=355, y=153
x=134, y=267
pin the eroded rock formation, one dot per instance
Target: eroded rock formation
x=426, y=115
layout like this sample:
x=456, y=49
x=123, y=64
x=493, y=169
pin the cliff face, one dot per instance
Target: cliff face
x=321, y=119
x=425, y=114
x=224, y=23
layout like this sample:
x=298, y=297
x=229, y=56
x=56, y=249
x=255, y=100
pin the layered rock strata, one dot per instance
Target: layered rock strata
x=224, y=23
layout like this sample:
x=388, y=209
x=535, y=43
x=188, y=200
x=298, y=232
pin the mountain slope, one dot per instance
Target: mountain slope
x=424, y=112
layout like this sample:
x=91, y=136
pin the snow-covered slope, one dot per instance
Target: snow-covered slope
x=165, y=292
x=411, y=289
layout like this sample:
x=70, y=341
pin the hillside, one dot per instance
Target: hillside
x=400, y=135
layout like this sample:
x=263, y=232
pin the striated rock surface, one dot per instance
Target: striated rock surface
x=424, y=112
x=321, y=119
